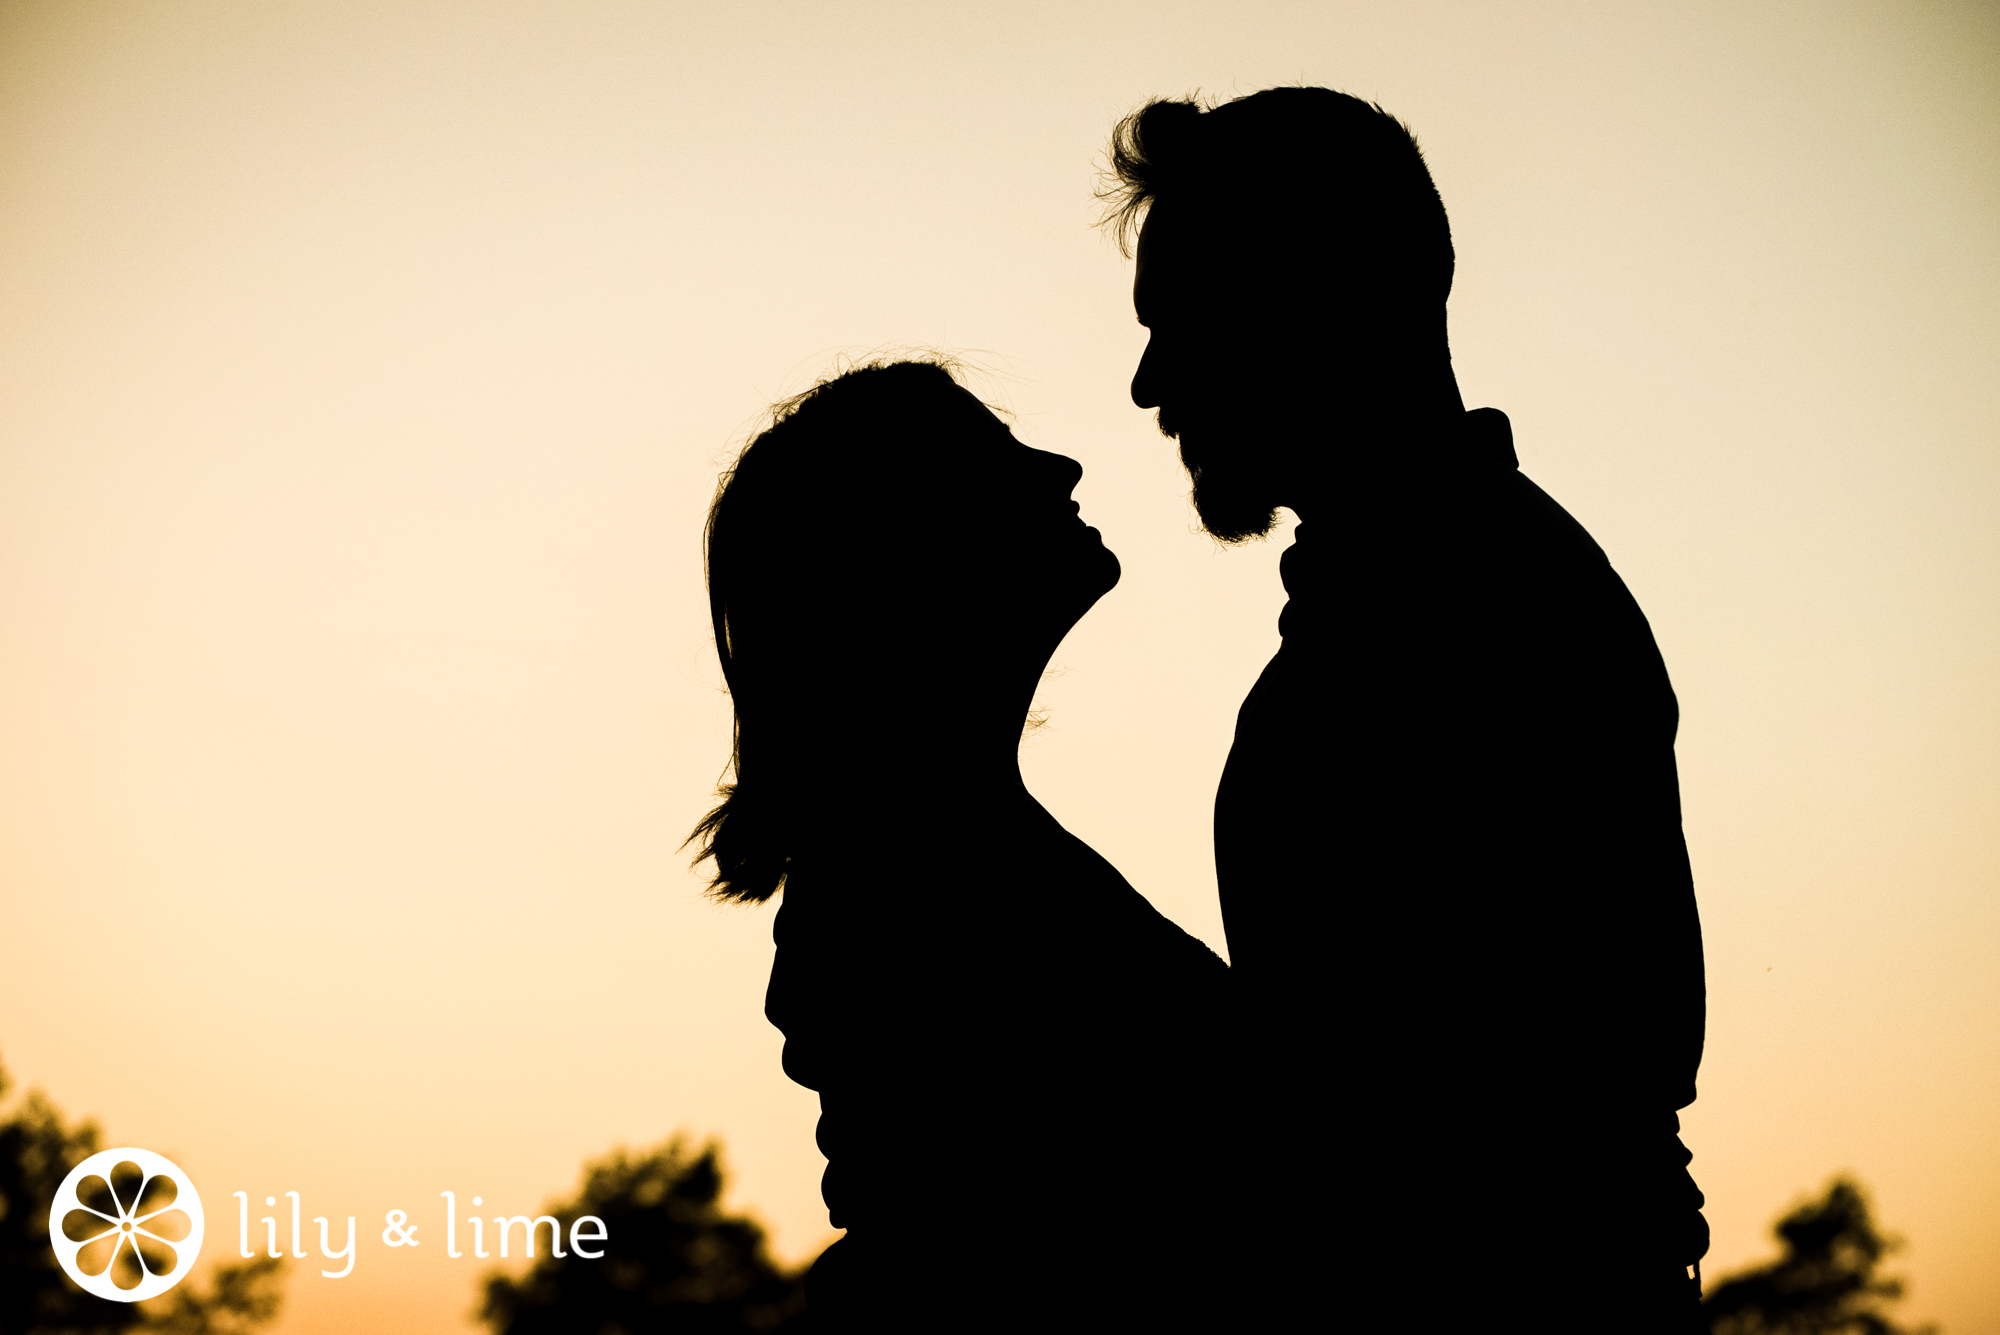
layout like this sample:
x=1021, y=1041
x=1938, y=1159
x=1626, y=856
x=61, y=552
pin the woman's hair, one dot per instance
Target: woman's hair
x=799, y=570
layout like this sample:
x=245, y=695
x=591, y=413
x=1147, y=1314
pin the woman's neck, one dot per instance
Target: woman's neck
x=948, y=748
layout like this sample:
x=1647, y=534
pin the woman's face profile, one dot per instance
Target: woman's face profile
x=1026, y=557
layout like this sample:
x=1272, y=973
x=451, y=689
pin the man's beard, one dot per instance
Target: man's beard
x=1229, y=499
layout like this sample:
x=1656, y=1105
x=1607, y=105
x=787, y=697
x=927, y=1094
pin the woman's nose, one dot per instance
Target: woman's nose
x=1060, y=469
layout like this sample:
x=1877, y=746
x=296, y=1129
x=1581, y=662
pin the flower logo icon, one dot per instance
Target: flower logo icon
x=126, y=1224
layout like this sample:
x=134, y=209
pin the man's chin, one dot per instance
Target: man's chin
x=1233, y=522
x=1230, y=515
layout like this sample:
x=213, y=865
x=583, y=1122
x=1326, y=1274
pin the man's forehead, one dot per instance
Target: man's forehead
x=1159, y=233
x=1192, y=258
x=1149, y=274
x=1176, y=261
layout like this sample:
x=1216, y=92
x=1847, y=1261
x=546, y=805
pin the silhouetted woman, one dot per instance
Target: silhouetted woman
x=1014, y=1052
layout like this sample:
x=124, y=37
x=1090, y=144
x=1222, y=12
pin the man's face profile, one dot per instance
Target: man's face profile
x=1219, y=367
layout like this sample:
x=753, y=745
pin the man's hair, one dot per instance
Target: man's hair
x=1345, y=169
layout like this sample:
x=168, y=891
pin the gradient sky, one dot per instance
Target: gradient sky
x=364, y=373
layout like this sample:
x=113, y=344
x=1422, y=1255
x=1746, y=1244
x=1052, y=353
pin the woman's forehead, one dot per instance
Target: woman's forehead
x=984, y=425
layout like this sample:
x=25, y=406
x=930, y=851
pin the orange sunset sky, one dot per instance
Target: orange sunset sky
x=365, y=369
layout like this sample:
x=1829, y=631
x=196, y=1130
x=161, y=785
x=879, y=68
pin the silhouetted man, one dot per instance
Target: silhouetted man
x=1448, y=836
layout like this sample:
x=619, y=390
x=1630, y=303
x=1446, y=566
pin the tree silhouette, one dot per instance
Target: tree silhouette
x=36, y=1298
x=675, y=1262
x=1824, y=1284
x=36, y=1153
x=243, y=1297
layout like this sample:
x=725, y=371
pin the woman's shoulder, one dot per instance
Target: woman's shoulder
x=1014, y=884
x=1094, y=895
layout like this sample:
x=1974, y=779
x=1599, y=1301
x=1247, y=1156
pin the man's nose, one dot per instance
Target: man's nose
x=1146, y=380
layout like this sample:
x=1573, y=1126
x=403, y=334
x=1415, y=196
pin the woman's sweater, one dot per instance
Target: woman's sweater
x=1020, y=1082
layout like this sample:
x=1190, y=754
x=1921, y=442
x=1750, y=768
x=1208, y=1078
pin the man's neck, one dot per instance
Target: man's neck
x=1398, y=430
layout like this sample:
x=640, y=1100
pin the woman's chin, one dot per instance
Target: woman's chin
x=1102, y=576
